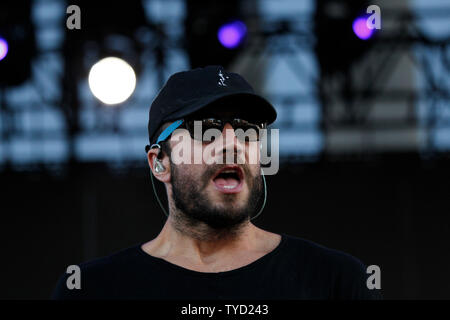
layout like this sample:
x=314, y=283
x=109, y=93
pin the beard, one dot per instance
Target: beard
x=195, y=207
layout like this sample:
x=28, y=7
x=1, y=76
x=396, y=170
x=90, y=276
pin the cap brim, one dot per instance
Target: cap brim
x=261, y=106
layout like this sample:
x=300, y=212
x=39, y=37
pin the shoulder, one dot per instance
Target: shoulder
x=312, y=250
x=97, y=276
x=115, y=260
x=346, y=274
x=108, y=266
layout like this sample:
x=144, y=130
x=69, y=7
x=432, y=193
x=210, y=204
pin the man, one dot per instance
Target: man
x=208, y=247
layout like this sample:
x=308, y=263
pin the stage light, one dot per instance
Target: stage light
x=3, y=48
x=231, y=34
x=112, y=80
x=360, y=28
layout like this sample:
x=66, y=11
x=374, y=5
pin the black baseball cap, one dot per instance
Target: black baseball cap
x=189, y=91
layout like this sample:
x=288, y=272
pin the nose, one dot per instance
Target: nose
x=231, y=144
x=228, y=134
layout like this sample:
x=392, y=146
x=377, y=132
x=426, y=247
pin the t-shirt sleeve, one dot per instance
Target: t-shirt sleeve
x=62, y=292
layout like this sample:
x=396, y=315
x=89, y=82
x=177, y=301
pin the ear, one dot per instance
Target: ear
x=151, y=157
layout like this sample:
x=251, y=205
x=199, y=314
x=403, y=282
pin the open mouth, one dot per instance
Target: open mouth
x=229, y=179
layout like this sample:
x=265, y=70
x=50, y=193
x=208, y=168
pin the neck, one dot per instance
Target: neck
x=201, y=244
x=207, y=239
x=200, y=231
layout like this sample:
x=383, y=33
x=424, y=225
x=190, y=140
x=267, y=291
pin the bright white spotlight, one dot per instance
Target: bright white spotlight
x=112, y=80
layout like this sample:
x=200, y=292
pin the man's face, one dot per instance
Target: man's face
x=222, y=196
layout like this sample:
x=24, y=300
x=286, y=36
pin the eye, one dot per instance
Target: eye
x=211, y=123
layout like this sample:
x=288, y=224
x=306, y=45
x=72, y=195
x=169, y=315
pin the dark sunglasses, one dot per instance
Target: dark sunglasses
x=244, y=130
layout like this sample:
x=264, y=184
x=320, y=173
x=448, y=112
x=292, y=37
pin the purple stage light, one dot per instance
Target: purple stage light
x=3, y=48
x=231, y=34
x=360, y=28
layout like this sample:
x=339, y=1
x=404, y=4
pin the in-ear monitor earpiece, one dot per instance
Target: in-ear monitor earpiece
x=159, y=167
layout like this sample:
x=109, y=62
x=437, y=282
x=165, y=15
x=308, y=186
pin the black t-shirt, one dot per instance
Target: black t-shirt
x=295, y=269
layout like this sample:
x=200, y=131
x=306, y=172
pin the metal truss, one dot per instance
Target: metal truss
x=284, y=38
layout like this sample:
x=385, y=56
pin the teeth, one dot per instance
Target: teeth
x=228, y=171
x=229, y=187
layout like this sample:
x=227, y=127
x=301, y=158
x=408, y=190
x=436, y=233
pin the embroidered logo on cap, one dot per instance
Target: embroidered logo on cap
x=222, y=79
